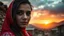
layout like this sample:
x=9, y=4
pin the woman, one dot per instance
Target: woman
x=17, y=18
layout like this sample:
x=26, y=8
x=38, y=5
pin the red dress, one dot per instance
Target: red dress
x=6, y=31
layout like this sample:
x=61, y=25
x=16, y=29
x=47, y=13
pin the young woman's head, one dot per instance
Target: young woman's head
x=21, y=12
x=23, y=15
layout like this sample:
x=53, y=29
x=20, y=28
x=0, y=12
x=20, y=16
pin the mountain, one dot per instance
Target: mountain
x=48, y=26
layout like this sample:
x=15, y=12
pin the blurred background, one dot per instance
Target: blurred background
x=47, y=18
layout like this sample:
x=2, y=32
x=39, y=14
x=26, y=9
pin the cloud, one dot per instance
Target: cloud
x=58, y=9
x=55, y=9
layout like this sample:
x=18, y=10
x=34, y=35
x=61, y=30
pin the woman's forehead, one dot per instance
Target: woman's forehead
x=24, y=7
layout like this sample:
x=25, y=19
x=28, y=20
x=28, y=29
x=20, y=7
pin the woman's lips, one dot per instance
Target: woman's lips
x=24, y=23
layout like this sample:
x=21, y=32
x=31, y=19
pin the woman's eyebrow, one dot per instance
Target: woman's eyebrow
x=21, y=10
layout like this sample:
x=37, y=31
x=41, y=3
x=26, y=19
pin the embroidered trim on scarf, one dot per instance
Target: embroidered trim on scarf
x=7, y=34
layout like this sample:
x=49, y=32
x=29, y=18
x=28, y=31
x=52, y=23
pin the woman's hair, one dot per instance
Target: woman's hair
x=14, y=27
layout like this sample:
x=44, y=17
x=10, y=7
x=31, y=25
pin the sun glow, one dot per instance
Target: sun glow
x=46, y=22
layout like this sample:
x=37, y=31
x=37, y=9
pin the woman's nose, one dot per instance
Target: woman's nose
x=25, y=16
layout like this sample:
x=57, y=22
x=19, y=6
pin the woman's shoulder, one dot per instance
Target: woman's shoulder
x=7, y=34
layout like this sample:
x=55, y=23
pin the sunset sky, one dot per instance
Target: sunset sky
x=46, y=19
x=41, y=16
x=47, y=14
x=47, y=11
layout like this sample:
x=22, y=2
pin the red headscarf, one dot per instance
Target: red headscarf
x=8, y=20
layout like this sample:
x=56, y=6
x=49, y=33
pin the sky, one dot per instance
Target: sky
x=49, y=14
x=45, y=11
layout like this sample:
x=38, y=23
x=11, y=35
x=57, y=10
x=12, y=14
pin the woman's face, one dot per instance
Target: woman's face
x=23, y=15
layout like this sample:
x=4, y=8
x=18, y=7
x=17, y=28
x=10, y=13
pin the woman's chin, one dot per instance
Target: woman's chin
x=23, y=26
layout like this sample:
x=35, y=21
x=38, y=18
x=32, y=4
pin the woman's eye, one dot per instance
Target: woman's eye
x=28, y=13
x=19, y=12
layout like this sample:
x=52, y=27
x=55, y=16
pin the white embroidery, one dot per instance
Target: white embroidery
x=7, y=34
